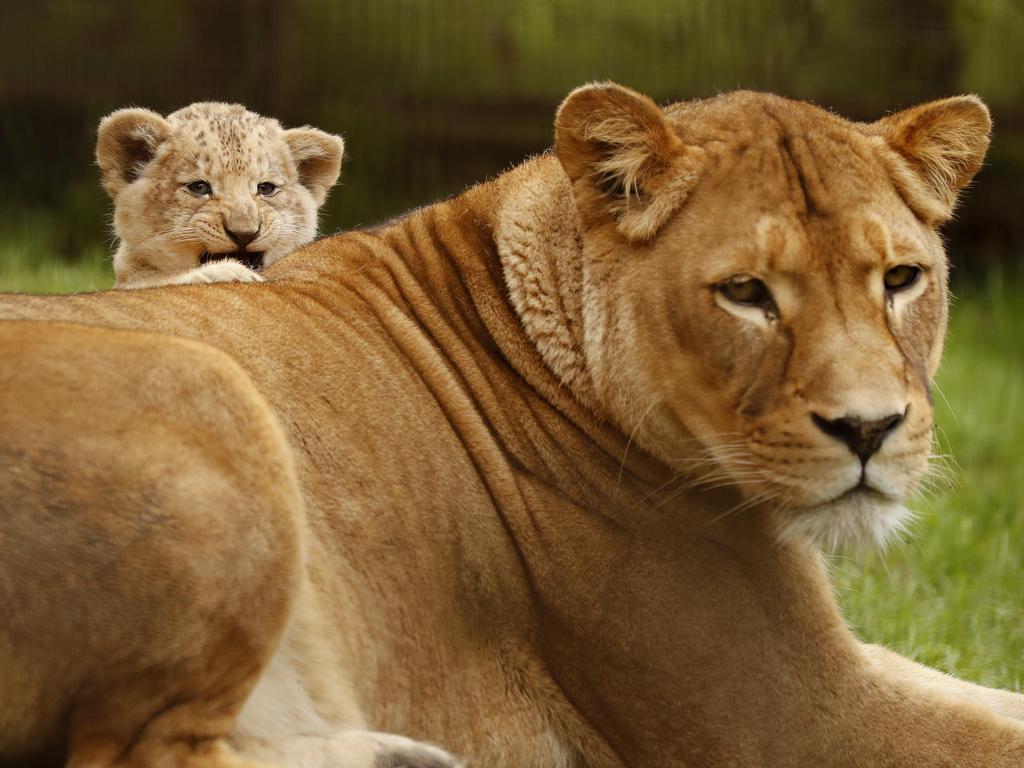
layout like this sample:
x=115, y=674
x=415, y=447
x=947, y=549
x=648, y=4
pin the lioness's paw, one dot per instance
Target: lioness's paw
x=414, y=755
x=351, y=749
x=223, y=271
x=387, y=750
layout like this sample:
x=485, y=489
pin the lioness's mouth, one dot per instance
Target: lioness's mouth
x=251, y=259
x=865, y=490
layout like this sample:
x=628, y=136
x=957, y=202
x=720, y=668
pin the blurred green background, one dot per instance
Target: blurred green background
x=432, y=95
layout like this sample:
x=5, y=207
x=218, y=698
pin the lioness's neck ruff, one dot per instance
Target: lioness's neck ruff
x=537, y=232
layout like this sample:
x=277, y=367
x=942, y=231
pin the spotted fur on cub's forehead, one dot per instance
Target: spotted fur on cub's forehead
x=226, y=139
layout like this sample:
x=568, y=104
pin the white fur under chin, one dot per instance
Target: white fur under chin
x=859, y=521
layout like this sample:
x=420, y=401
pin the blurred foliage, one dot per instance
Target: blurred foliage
x=432, y=95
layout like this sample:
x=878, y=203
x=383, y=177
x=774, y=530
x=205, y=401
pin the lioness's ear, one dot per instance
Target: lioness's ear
x=939, y=148
x=125, y=142
x=623, y=158
x=318, y=157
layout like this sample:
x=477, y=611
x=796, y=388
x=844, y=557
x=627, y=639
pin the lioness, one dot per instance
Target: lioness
x=536, y=473
x=210, y=193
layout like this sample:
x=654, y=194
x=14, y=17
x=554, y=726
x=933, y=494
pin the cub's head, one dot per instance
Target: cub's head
x=211, y=181
x=764, y=291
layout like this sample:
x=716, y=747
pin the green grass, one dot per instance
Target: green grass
x=35, y=261
x=93, y=273
x=952, y=595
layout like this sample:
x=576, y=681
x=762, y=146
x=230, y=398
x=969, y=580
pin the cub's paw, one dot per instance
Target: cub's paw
x=223, y=271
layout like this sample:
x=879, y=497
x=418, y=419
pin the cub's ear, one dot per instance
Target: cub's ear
x=125, y=142
x=939, y=146
x=623, y=158
x=317, y=157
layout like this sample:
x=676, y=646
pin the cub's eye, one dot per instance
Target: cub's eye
x=748, y=291
x=902, y=277
x=266, y=189
x=199, y=188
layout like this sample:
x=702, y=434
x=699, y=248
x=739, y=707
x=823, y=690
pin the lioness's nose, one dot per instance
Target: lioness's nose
x=242, y=238
x=862, y=437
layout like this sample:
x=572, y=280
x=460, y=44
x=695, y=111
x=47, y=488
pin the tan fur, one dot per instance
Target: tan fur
x=148, y=161
x=560, y=496
x=938, y=141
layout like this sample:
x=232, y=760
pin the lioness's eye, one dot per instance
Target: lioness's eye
x=266, y=188
x=747, y=290
x=902, y=277
x=199, y=188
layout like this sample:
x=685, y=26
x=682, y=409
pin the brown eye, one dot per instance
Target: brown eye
x=902, y=277
x=199, y=188
x=747, y=290
x=266, y=188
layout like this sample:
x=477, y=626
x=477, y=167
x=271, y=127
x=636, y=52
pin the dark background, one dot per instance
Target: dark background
x=432, y=95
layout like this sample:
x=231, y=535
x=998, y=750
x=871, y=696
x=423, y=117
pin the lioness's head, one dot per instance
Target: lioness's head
x=764, y=290
x=211, y=181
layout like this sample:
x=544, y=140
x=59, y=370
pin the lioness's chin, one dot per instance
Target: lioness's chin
x=859, y=520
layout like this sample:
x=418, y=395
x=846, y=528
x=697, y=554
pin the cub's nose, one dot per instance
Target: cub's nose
x=864, y=438
x=242, y=238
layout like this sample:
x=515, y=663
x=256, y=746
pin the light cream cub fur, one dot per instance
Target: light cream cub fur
x=210, y=193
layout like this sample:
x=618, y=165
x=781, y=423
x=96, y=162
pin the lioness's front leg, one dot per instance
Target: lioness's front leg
x=891, y=664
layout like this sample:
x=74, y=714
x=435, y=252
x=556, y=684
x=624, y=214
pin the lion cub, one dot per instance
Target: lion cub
x=210, y=193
